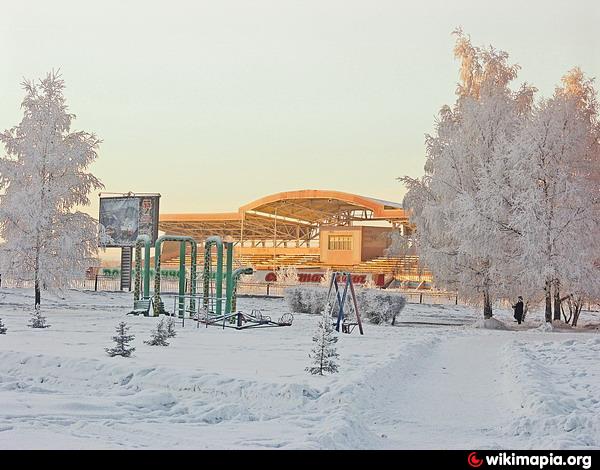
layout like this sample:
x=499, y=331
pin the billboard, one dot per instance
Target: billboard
x=123, y=218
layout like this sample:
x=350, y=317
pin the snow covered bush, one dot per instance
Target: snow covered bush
x=375, y=305
x=122, y=340
x=2, y=328
x=380, y=306
x=43, y=179
x=324, y=355
x=37, y=320
x=306, y=299
x=158, y=336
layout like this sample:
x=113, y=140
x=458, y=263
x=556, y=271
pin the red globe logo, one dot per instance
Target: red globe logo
x=474, y=461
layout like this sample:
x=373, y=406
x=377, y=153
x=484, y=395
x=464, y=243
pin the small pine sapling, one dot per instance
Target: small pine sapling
x=37, y=320
x=122, y=339
x=324, y=355
x=171, y=333
x=2, y=328
x=159, y=335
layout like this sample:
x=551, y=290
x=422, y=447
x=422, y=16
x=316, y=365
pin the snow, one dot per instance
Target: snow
x=432, y=381
x=490, y=324
x=560, y=404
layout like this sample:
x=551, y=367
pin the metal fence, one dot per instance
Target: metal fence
x=258, y=289
x=170, y=285
x=424, y=297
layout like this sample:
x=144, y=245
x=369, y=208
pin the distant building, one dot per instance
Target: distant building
x=311, y=229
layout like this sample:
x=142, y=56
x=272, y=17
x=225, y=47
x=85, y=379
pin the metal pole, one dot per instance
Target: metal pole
x=156, y=302
x=229, y=277
x=340, y=317
x=219, y=275
x=358, y=319
x=275, y=236
x=181, y=278
x=147, y=269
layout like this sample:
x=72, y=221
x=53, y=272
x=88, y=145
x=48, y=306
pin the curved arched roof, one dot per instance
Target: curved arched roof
x=294, y=210
x=317, y=206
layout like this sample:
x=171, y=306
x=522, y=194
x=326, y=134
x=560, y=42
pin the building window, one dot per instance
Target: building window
x=340, y=242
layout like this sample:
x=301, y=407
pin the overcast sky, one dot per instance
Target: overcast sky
x=214, y=104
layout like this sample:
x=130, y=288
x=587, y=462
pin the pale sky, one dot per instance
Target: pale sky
x=216, y=103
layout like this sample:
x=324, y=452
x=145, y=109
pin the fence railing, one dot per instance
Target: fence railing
x=264, y=289
x=424, y=297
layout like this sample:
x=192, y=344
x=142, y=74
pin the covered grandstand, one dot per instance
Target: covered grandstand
x=312, y=230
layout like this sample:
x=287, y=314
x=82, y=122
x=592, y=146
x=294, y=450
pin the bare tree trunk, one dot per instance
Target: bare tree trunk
x=556, y=300
x=37, y=294
x=487, y=304
x=36, y=274
x=578, y=307
x=548, y=295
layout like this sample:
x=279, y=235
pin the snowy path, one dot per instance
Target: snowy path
x=450, y=397
x=469, y=391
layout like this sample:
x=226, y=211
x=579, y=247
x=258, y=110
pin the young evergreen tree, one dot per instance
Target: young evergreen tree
x=2, y=328
x=324, y=355
x=158, y=336
x=37, y=320
x=171, y=333
x=122, y=340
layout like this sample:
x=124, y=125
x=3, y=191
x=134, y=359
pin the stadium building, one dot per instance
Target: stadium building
x=312, y=230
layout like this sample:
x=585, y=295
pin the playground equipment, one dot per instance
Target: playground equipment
x=156, y=302
x=243, y=321
x=339, y=301
x=211, y=301
x=142, y=240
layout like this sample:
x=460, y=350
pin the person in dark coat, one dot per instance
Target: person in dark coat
x=518, y=307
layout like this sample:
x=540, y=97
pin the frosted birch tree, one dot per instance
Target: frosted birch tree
x=556, y=166
x=43, y=179
x=460, y=206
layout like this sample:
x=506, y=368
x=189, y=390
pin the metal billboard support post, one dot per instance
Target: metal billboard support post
x=125, y=267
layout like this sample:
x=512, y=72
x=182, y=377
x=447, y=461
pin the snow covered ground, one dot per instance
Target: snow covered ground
x=434, y=381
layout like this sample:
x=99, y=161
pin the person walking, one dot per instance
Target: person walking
x=518, y=307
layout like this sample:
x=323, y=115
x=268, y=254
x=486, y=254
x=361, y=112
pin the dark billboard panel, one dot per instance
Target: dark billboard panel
x=122, y=219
